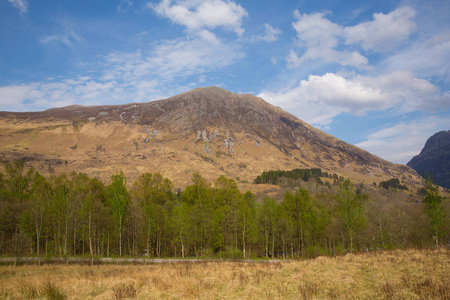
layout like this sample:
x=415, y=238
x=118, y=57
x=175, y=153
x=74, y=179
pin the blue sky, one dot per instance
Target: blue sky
x=375, y=74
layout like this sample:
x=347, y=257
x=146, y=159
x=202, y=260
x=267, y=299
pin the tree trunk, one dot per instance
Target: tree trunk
x=66, y=236
x=148, y=238
x=243, y=239
x=38, y=236
x=273, y=241
x=351, y=242
x=107, y=247
x=267, y=242
x=90, y=237
x=182, y=245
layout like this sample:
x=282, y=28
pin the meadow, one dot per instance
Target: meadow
x=397, y=274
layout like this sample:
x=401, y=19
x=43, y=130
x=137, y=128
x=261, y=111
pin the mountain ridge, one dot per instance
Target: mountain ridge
x=206, y=129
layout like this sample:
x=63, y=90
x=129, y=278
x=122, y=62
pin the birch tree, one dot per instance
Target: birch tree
x=118, y=200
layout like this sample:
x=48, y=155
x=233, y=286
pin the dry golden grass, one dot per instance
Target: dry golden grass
x=409, y=274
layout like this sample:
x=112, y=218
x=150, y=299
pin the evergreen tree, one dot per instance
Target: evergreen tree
x=435, y=210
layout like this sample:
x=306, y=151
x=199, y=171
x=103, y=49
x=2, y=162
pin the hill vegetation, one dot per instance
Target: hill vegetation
x=75, y=214
x=272, y=177
x=393, y=183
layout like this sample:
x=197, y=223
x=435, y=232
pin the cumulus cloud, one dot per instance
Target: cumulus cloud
x=200, y=15
x=21, y=5
x=401, y=142
x=320, y=99
x=320, y=39
x=384, y=32
x=315, y=31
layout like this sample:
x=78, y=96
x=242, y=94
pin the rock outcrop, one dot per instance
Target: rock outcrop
x=434, y=159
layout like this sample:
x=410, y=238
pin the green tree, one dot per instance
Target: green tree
x=18, y=181
x=302, y=215
x=350, y=210
x=118, y=200
x=92, y=212
x=153, y=193
x=226, y=199
x=267, y=221
x=247, y=221
x=435, y=210
x=36, y=214
x=218, y=239
x=15, y=187
x=180, y=225
x=198, y=197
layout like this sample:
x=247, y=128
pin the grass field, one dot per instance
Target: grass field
x=408, y=274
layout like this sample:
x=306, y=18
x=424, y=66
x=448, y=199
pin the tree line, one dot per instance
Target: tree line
x=272, y=177
x=73, y=214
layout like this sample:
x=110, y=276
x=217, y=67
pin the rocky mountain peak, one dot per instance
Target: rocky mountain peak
x=435, y=142
x=434, y=159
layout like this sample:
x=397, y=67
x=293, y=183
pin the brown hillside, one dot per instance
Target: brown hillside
x=209, y=130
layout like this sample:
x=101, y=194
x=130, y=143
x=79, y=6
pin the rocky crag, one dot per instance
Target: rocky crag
x=434, y=159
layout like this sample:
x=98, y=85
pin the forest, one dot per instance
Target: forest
x=75, y=215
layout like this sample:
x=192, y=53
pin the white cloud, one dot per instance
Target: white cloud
x=170, y=59
x=44, y=95
x=319, y=36
x=401, y=142
x=320, y=99
x=138, y=76
x=200, y=15
x=271, y=34
x=384, y=32
x=428, y=57
x=21, y=5
x=321, y=40
x=315, y=31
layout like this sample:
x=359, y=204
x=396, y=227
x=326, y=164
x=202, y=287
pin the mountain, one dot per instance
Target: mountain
x=434, y=159
x=210, y=130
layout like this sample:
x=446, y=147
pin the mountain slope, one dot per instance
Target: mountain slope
x=209, y=130
x=434, y=159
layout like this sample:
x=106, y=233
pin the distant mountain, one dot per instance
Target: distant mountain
x=210, y=130
x=434, y=159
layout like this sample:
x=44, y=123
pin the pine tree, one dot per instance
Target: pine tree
x=435, y=210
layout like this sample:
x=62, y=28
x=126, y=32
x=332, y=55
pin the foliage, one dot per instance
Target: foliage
x=350, y=210
x=394, y=184
x=118, y=200
x=434, y=209
x=74, y=214
x=272, y=177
